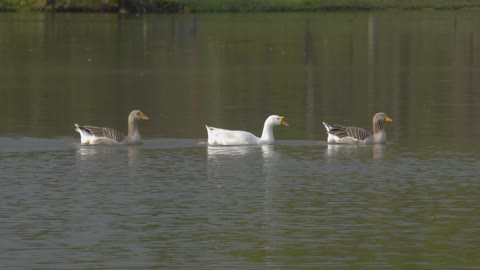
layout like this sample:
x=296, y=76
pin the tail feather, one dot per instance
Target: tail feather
x=81, y=129
x=211, y=135
x=327, y=126
x=77, y=127
x=210, y=129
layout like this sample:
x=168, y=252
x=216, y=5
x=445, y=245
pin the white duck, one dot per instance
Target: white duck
x=355, y=135
x=104, y=135
x=218, y=136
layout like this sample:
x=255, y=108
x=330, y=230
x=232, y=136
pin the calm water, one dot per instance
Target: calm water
x=172, y=203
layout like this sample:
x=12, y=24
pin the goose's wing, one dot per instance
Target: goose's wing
x=357, y=133
x=105, y=132
x=94, y=135
x=350, y=135
x=219, y=136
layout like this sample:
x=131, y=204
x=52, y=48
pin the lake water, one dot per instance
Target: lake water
x=172, y=203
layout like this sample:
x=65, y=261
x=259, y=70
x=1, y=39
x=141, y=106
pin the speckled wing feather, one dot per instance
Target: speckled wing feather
x=358, y=133
x=354, y=132
x=104, y=132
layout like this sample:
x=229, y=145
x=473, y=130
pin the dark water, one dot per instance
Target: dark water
x=171, y=203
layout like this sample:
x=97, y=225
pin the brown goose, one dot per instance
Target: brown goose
x=104, y=135
x=355, y=135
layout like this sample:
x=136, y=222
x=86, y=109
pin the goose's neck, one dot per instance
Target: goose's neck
x=133, y=129
x=377, y=127
x=267, y=134
x=379, y=135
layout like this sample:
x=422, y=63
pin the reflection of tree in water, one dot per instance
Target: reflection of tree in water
x=310, y=61
x=337, y=67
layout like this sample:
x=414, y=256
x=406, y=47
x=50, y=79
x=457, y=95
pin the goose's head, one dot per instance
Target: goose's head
x=276, y=120
x=137, y=115
x=381, y=117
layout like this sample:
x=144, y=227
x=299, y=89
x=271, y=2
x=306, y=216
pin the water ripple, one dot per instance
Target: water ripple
x=167, y=204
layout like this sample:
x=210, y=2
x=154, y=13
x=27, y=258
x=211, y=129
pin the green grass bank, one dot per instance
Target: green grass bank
x=184, y=6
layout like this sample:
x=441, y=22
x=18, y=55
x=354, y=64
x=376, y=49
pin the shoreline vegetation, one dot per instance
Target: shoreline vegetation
x=197, y=6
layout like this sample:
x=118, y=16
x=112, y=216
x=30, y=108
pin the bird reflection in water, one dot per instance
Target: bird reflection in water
x=87, y=152
x=225, y=162
x=347, y=151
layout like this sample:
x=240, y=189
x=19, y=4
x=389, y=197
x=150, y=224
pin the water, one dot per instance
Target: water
x=172, y=203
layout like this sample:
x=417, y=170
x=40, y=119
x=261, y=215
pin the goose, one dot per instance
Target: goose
x=356, y=135
x=105, y=135
x=218, y=136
